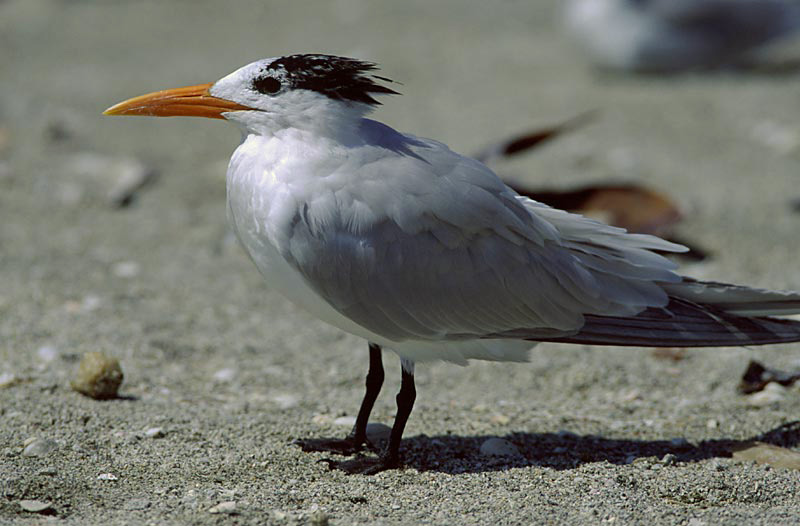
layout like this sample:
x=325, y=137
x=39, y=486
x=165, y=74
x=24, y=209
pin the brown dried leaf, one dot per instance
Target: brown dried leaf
x=531, y=139
x=756, y=377
x=630, y=206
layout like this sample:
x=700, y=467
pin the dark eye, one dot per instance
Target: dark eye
x=267, y=85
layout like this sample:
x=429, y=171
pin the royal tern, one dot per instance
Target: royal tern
x=676, y=35
x=420, y=250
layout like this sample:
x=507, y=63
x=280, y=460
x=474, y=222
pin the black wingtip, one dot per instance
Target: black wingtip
x=684, y=323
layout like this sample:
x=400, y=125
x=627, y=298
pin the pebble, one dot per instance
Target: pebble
x=227, y=508
x=91, y=302
x=47, y=353
x=225, y=375
x=318, y=518
x=61, y=128
x=126, y=269
x=499, y=447
x=120, y=178
x=8, y=380
x=669, y=459
x=712, y=424
x=321, y=420
x=629, y=395
x=499, y=419
x=377, y=432
x=779, y=137
x=155, y=432
x=38, y=447
x=345, y=421
x=286, y=401
x=131, y=176
x=107, y=476
x=35, y=506
x=98, y=376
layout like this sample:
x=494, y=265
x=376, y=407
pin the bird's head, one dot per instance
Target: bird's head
x=302, y=91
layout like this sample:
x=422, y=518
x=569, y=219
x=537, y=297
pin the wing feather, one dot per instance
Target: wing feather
x=467, y=256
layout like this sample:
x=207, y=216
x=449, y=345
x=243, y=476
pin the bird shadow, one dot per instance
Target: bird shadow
x=455, y=454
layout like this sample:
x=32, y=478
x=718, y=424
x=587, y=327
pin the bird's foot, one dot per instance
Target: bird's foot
x=363, y=465
x=341, y=446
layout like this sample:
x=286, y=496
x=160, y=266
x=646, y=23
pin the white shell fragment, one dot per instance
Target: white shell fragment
x=499, y=447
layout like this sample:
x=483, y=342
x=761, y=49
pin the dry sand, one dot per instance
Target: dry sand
x=231, y=373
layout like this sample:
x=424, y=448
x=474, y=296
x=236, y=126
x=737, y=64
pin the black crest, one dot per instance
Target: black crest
x=339, y=78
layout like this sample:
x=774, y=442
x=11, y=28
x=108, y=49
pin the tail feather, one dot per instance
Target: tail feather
x=683, y=323
x=736, y=299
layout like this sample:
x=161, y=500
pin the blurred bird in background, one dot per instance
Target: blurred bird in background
x=676, y=35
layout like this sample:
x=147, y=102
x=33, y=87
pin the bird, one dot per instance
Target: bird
x=669, y=36
x=425, y=252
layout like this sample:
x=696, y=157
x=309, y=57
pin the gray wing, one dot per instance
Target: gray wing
x=446, y=251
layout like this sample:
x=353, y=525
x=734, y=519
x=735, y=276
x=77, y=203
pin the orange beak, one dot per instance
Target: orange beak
x=191, y=101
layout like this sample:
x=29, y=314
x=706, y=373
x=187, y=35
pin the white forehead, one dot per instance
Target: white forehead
x=238, y=85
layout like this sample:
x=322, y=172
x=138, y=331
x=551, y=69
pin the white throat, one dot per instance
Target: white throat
x=305, y=111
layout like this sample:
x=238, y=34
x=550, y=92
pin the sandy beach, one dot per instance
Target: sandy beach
x=113, y=238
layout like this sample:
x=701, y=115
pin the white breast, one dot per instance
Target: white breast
x=261, y=207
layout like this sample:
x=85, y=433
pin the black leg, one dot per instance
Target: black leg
x=390, y=458
x=405, y=403
x=355, y=441
x=374, y=384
